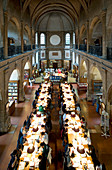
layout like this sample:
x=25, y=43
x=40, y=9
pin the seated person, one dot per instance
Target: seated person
x=64, y=108
x=41, y=109
x=34, y=103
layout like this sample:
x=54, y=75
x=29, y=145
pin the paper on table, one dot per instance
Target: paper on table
x=21, y=166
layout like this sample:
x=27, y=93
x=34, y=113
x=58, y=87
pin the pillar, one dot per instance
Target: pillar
x=89, y=88
x=63, y=57
x=105, y=89
x=22, y=32
x=79, y=66
x=47, y=58
x=5, y=122
x=30, y=59
x=78, y=37
x=75, y=57
x=21, y=90
x=31, y=37
x=5, y=14
x=87, y=24
x=104, y=50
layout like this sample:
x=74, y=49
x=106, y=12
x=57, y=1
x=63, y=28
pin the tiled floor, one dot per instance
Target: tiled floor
x=8, y=141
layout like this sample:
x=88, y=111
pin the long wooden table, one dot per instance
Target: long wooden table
x=79, y=151
x=34, y=139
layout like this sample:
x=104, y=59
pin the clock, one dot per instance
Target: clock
x=55, y=39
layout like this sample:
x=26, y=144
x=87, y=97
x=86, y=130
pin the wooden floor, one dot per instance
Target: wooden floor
x=8, y=141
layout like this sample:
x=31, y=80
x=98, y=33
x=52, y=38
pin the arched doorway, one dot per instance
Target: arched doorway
x=83, y=72
x=96, y=81
x=97, y=89
x=13, y=86
x=27, y=73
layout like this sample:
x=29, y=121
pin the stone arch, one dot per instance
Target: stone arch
x=83, y=68
x=28, y=63
x=96, y=75
x=27, y=34
x=11, y=70
x=96, y=20
x=15, y=20
x=10, y=73
x=95, y=69
x=14, y=30
x=15, y=75
x=82, y=35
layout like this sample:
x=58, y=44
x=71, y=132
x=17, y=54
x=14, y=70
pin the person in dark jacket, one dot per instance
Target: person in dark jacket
x=34, y=104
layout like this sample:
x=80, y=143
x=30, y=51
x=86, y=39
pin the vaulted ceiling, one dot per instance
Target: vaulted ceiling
x=38, y=8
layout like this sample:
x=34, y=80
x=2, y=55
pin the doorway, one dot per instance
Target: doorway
x=55, y=65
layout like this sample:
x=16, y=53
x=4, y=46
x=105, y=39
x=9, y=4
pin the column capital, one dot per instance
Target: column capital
x=103, y=13
x=87, y=21
x=21, y=21
x=5, y=12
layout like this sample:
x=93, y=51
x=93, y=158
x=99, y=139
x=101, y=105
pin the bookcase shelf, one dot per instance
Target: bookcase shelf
x=13, y=90
x=96, y=86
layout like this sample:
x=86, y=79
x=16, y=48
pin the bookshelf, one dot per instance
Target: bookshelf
x=96, y=86
x=13, y=90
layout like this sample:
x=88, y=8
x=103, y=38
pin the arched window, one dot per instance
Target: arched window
x=67, y=39
x=73, y=38
x=42, y=38
x=37, y=57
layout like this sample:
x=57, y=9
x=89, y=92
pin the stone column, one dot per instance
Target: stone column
x=75, y=57
x=89, y=88
x=5, y=122
x=21, y=90
x=105, y=90
x=104, y=50
x=30, y=59
x=63, y=57
x=78, y=67
x=31, y=37
x=78, y=37
x=47, y=58
x=22, y=32
x=87, y=24
x=5, y=31
x=35, y=56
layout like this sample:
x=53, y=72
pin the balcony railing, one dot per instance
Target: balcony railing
x=27, y=47
x=76, y=46
x=109, y=53
x=1, y=53
x=96, y=50
x=13, y=50
x=83, y=47
x=33, y=46
x=17, y=49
